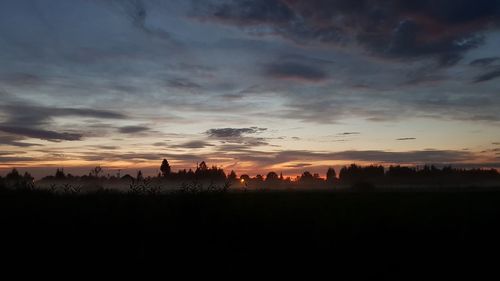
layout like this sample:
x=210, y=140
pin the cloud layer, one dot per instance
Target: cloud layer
x=292, y=84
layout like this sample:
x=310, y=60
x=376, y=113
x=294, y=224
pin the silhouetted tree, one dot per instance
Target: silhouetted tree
x=165, y=168
x=272, y=177
x=202, y=166
x=355, y=173
x=13, y=175
x=14, y=179
x=214, y=173
x=306, y=177
x=27, y=177
x=245, y=178
x=190, y=174
x=127, y=177
x=60, y=174
x=259, y=178
x=96, y=172
x=139, y=177
x=232, y=176
x=331, y=175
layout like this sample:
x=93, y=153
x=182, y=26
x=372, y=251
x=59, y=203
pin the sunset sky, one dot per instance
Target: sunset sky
x=283, y=85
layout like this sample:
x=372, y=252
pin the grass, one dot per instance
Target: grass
x=357, y=228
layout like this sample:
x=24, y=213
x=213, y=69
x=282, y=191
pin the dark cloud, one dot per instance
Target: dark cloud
x=248, y=141
x=423, y=156
x=288, y=158
x=40, y=133
x=294, y=70
x=137, y=12
x=131, y=156
x=266, y=159
x=182, y=83
x=401, y=28
x=488, y=76
x=484, y=61
x=405, y=43
x=193, y=144
x=228, y=133
x=133, y=129
x=32, y=115
x=32, y=121
x=244, y=138
x=86, y=112
x=21, y=79
x=349, y=133
x=15, y=159
x=406, y=139
x=246, y=12
x=14, y=140
x=106, y=147
x=162, y=143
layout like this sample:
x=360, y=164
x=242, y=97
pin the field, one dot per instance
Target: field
x=384, y=231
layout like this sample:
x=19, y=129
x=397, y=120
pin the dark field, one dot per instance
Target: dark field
x=379, y=232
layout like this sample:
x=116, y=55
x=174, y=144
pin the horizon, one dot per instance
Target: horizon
x=154, y=171
x=250, y=86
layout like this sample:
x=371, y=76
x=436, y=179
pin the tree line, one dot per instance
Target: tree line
x=352, y=174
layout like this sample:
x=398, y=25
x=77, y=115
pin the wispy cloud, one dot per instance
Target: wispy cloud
x=295, y=71
x=193, y=144
x=133, y=129
x=488, y=76
x=228, y=133
x=349, y=133
x=40, y=133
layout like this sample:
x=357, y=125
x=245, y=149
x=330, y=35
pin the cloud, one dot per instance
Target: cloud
x=243, y=137
x=33, y=115
x=266, y=159
x=132, y=156
x=136, y=11
x=40, y=133
x=406, y=139
x=8, y=159
x=349, y=133
x=183, y=83
x=421, y=156
x=21, y=79
x=106, y=147
x=484, y=61
x=193, y=144
x=33, y=121
x=161, y=143
x=253, y=12
x=444, y=29
x=298, y=165
x=293, y=70
x=488, y=76
x=133, y=129
x=14, y=140
x=228, y=133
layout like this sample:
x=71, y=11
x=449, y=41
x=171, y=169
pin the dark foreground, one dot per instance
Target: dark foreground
x=374, y=232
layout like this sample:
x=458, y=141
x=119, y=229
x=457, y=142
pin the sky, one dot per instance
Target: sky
x=254, y=86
